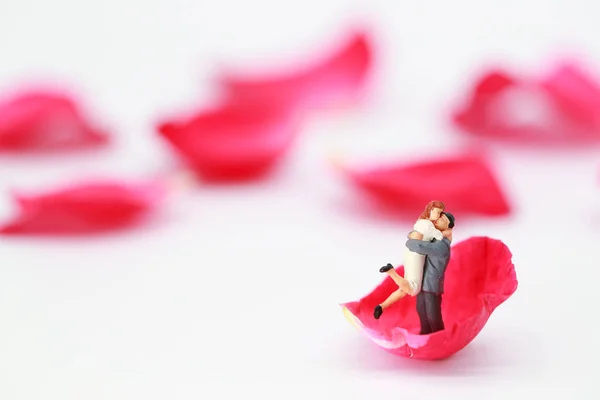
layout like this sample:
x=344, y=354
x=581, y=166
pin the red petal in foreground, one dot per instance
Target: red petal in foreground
x=560, y=108
x=232, y=142
x=466, y=184
x=479, y=278
x=340, y=77
x=44, y=120
x=85, y=208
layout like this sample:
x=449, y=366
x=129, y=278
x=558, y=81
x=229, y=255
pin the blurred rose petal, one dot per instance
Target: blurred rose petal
x=560, y=108
x=232, y=142
x=473, y=117
x=465, y=183
x=339, y=78
x=576, y=94
x=479, y=278
x=85, y=208
x=45, y=120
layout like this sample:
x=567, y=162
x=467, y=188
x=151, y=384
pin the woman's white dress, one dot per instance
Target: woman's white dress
x=414, y=262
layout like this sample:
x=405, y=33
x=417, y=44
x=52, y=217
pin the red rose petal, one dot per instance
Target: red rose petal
x=232, y=142
x=465, y=183
x=560, y=109
x=84, y=208
x=576, y=94
x=479, y=278
x=44, y=120
x=474, y=115
x=340, y=77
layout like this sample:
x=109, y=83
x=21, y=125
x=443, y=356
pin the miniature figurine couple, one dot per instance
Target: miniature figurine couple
x=426, y=256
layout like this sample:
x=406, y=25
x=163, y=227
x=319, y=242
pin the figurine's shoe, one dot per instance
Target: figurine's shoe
x=386, y=268
x=377, y=312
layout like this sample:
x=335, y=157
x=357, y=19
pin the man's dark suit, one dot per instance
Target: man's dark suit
x=429, y=300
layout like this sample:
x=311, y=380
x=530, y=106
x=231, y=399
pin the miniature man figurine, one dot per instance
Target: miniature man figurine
x=437, y=257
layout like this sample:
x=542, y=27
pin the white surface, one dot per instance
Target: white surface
x=234, y=294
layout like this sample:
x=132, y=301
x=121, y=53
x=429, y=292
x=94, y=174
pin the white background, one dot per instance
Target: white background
x=234, y=292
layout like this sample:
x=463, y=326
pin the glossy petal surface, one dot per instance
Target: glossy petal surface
x=479, y=278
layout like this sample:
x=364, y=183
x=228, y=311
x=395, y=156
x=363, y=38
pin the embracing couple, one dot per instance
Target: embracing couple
x=426, y=257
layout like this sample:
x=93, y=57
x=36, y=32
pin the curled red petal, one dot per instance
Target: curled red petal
x=466, y=183
x=576, y=94
x=340, y=77
x=557, y=109
x=45, y=120
x=489, y=87
x=232, y=142
x=84, y=208
x=479, y=278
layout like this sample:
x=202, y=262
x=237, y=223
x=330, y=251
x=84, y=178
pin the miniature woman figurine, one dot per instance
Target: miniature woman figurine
x=424, y=229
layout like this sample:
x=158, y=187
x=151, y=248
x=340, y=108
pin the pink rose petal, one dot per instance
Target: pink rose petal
x=340, y=77
x=234, y=141
x=466, y=182
x=43, y=121
x=557, y=109
x=479, y=278
x=576, y=94
x=86, y=207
